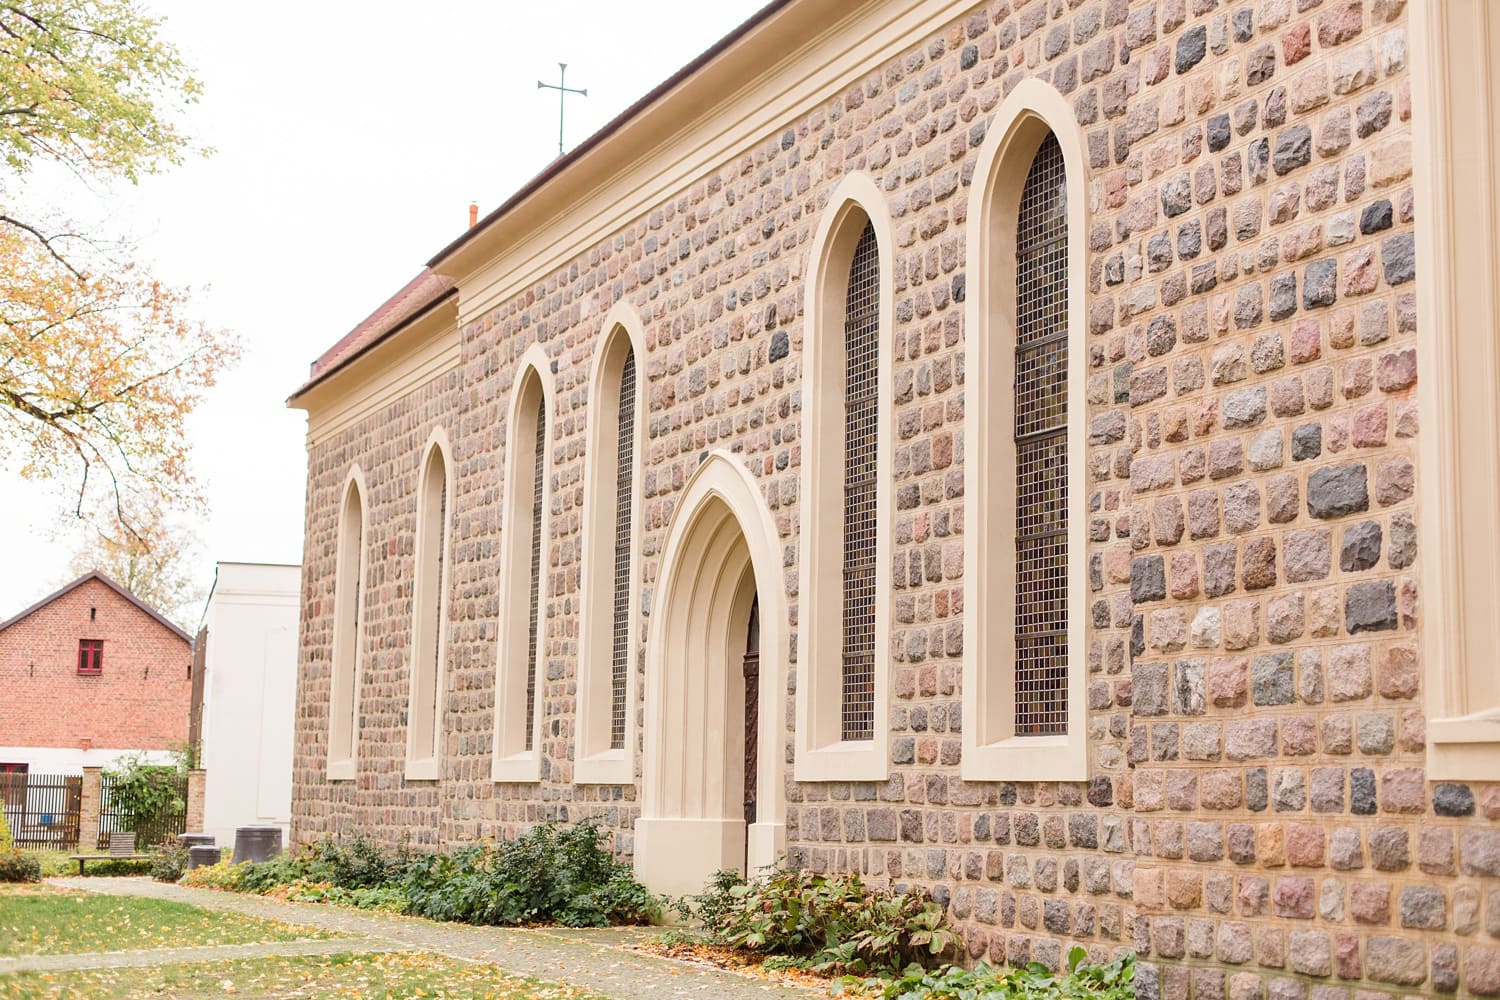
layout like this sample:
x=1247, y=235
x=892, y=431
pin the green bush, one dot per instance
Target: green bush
x=60, y=864
x=355, y=863
x=6, y=843
x=550, y=874
x=389, y=898
x=1115, y=981
x=224, y=875
x=828, y=923
x=168, y=862
x=148, y=794
x=18, y=867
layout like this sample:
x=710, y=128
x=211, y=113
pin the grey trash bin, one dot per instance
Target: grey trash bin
x=256, y=843
x=195, y=839
x=204, y=854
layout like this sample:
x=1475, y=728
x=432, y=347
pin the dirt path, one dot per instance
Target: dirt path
x=595, y=959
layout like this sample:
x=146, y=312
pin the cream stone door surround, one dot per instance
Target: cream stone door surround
x=721, y=551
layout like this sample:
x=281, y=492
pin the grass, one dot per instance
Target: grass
x=45, y=920
x=380, y=976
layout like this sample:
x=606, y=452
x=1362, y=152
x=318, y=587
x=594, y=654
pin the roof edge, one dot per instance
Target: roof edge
x=67, y=588
x=358, y=352
x=614, y=125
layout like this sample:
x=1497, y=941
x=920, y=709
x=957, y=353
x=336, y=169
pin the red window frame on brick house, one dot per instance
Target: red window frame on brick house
x=90, y=656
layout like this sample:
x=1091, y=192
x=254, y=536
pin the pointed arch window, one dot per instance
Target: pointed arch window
x=348, y=633
x=843, y=657
x=1024, y=710
x=429, y=601
x=520, y=701
x=608, y=613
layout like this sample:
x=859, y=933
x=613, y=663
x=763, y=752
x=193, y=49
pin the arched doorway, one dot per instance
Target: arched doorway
x=714, y=764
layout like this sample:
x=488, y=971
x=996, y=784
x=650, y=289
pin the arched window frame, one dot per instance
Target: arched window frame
x=596, y=761
x=991, y=750
x=513, y=760
x=346, y=662
x=821, y=753
x=429, y=640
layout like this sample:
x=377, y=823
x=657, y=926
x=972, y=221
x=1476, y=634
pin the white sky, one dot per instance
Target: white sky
x=349, y=139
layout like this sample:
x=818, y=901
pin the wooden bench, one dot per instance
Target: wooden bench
x=121, y=848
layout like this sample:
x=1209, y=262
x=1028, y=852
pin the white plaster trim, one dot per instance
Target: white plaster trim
x=512, y=762
x=689, y=566
x=343, y=766
x=597, y=762
x=1455, y=51
x=991, y=751
x=821, y=754
x=427, y=766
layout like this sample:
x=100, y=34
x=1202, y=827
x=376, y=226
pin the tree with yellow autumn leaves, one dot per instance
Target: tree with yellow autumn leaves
x=100, y=363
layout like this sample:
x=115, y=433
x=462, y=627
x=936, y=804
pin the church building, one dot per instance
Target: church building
x=1045, y=452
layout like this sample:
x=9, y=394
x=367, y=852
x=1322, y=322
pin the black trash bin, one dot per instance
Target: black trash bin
x=256, y=843
x=204, y=854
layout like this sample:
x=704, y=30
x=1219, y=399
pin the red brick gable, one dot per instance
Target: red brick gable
x=139, y=701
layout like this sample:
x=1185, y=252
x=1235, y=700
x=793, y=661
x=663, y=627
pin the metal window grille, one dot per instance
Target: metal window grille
x=534, y=613
x=359, y=615
x=440, y=471
x=861, y=356
x=1041, y=428
x=624, y=475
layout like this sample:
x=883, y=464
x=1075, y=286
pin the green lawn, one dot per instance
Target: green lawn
x=43, y=920
x=399, y=974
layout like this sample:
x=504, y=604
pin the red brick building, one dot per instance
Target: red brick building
x=88, y=673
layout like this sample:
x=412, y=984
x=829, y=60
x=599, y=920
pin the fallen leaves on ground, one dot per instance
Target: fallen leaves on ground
x=53, y=921
x=322, y=977
x=703, y=953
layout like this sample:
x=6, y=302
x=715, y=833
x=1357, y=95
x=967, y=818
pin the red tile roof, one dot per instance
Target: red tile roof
x=418, y=294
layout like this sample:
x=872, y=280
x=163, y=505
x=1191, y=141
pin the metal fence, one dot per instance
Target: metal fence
x=42, y=810
x=150, y=831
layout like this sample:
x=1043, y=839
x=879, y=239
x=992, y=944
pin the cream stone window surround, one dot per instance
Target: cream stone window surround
x=533, y=386
x=1456, y=133
x=991, y=749
x=597, y=762
x=721, y=551
x=424, y=728
x=348, y=628
x=821, y=753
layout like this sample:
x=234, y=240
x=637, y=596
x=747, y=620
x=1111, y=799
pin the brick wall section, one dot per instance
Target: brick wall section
x=1258, y=821
x=139, y=702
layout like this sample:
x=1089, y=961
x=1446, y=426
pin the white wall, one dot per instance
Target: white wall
x=71, y=760
x=249, y=697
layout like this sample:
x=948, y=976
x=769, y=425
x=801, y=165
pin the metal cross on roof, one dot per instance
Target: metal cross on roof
x=562, y=94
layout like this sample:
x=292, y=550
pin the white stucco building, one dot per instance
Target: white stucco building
x=248, y=640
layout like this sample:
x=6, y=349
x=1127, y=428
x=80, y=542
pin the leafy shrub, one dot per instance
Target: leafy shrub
x=168, y=862
x=829, y=923
x=148, y=793
x=550, y=874
x=388, y=898
x=18, y=867
x=6, y=843
x=59, y=864
x=356, y=863
x=224, y=875
x=1114, y=981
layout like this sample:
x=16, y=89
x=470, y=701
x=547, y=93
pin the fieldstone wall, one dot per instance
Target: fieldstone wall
x=1258, y=821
